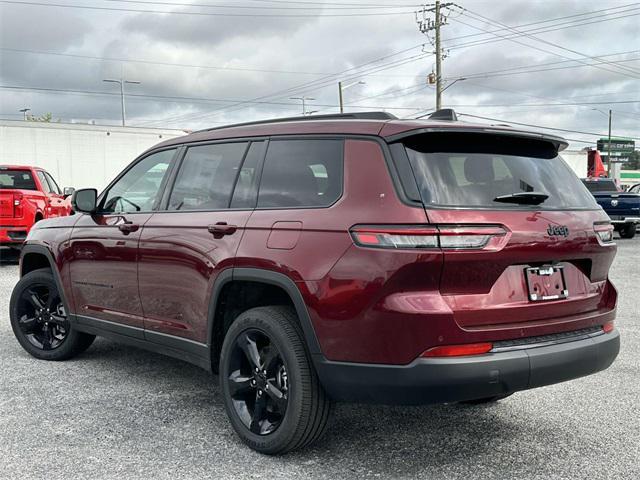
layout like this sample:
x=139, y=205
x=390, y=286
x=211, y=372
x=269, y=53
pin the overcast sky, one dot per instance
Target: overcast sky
x=228, y=61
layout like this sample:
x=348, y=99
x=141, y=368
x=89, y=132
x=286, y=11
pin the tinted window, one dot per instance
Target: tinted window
x=301, y=173
x=18, y=179
x=45, y=184
x=52, y=183
x=470, y=170
x=138, y=189
x=244, y=194
x=601, y=185
x=206, y=177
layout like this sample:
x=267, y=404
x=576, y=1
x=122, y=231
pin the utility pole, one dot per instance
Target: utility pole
x=609, y=149
x=121, y=82
x=304, y=104
x=438, y=58
x=426, y=25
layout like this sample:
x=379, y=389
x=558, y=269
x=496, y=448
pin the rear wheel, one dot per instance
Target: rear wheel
x=271, y=392
x=40, y=321
x=628, y=230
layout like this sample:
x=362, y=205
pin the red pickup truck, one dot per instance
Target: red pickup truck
x=28, y=195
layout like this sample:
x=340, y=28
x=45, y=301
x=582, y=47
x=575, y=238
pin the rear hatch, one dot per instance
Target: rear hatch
x=523, y=239
x=12, y=184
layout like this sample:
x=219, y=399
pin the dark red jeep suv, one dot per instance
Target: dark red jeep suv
x=352, y=257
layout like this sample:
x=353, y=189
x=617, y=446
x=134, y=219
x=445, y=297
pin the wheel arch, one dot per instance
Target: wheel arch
x=267, y=279
x=35, y=257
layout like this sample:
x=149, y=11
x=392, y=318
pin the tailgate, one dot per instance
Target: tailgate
x=6, y=203
x=528, y=243
x=619, y=205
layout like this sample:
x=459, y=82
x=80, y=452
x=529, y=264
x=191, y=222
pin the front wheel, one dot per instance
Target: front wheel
x=271, y=391
x=40, y=322
x=628, y=230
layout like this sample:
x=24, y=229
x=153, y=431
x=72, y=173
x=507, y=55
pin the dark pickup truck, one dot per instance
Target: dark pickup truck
x=622, y=207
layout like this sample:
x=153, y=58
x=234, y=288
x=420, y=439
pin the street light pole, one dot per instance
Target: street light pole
x=341, y=88
x=609, y=149
x=24, y=113
x=304, y=104
x=121, y=82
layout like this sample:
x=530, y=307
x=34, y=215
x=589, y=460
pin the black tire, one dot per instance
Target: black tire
x=44, y=332
x=483, y=401
x=628, y=231
x=305, y=405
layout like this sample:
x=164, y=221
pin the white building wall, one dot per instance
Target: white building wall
x=76, y=155
x=578, y=160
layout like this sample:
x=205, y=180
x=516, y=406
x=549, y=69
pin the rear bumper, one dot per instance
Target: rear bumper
x=623, y=220
x=440, y=380
x=14, y=235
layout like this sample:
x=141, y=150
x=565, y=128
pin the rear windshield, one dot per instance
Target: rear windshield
x=600, y=185
x=471, y=170
x=17, y=179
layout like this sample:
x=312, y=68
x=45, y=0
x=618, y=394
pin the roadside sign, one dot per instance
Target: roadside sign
x=621, y=149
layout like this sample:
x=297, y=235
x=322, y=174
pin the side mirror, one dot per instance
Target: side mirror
x=68, y=191
x=84, y=200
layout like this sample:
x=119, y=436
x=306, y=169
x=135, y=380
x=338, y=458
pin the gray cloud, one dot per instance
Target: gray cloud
x=314, y=44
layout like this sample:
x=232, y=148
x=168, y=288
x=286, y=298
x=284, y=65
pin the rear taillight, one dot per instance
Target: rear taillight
x=454, y=237
x=17, y=205
x=17, y=199
x=608, y=327
x=459, y=350
x=604, y=231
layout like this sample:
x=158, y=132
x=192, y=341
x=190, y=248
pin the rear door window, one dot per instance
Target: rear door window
x=44, y=182
x=206, y=177
x=302, y=173
x=17, y=179
x=52, y=183
x=471, y=170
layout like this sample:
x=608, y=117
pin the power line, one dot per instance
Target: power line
x=206, y=14
x=592, y=12
x=261, y=7
x=547, y=51
x=553, y=44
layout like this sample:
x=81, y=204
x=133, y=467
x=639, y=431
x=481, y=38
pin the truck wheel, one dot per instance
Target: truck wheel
x=271, y=391
x=39, y=320
x=628, y=231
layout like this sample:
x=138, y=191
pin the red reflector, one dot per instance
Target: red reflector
x=607, y=327
x=458, y=350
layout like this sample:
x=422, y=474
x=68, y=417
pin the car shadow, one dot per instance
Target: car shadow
x=390, y=441
x=9, y=256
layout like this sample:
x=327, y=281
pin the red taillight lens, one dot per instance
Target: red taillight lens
x=17, y=199
x=395, y=237
x=425, y=236
x=608, y=327
x=604, y=232
x=458, y=350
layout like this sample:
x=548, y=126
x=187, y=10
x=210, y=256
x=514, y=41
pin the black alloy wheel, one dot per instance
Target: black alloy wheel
x=40, y=320
x=258, y=382
x=42, y=317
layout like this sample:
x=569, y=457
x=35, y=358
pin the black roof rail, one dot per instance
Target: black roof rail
x=331, y=116
x=444, y=114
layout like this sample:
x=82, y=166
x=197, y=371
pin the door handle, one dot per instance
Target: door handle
x=222, y=228
x=128, y=227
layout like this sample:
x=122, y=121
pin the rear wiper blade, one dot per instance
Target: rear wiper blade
x=523, y=198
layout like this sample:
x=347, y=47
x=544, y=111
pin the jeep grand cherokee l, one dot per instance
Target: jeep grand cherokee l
x=337, y=258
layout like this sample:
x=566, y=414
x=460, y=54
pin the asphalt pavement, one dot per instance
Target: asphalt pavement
x=120, y=412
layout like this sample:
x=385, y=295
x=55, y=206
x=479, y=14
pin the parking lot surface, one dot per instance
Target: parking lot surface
x=120, y=412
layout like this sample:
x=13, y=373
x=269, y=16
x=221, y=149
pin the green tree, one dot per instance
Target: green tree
x=45, y=117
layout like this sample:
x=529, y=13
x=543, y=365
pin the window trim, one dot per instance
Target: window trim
x=277, y=138
x=161, y=188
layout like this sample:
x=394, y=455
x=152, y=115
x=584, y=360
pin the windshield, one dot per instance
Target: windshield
x=601, y=185
x=17, y=179
x=472, y=170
